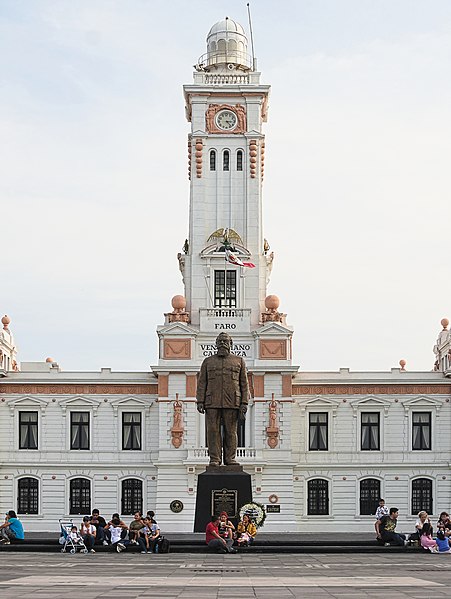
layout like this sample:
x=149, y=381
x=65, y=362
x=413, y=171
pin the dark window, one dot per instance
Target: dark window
x=132, y=496
x=79, y=430
x=318, y=497
x=212, y=160
x=422, y=495
x=226, y=160
x=27, y=496
x=370, y=492
x=241, y=433
x=370, y=431
x=225, y=295
x=80, y=496
x=318, y=431
x=131, y=430
x=239, y=160
x=28, y=430
x=421, y=430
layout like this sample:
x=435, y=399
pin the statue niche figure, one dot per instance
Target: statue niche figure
x=223, y=395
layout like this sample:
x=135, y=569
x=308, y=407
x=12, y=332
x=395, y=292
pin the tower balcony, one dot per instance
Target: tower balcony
x=217, y=320
x=244, y=455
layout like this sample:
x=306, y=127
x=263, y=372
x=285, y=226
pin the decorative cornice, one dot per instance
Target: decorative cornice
x=371, y=389
x=74, y=389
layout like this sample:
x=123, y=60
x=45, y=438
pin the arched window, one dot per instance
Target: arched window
x=132, y=496
x=80, y=496
x=318, y=497
x=226, y=160
x=422, y=495
x=370, y=492
x=239, y=160
x=27, y=496
x=212, y=160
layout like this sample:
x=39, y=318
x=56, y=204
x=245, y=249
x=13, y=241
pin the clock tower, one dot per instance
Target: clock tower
x=226, y=106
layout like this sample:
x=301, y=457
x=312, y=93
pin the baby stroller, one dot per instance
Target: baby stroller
x=68, y=543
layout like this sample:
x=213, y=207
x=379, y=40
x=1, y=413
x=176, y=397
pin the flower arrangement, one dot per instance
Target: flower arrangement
x=256, y=512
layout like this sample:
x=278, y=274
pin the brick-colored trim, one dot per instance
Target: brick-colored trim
x=286, y=385
x=63, y=389
x=163, y=385
x=371, y=389
x=259, y=385
x=191, y=385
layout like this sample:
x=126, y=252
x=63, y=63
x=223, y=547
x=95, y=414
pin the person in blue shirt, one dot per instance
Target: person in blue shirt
x=442, y=542
x=12, y=529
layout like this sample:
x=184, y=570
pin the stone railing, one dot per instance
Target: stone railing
x=242, y=454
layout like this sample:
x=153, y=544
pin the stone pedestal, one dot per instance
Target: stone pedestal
x=221, y=488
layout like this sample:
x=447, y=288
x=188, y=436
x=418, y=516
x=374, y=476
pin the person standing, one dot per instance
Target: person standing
x=222, y=395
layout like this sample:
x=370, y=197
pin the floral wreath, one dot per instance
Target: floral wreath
x=255, y=511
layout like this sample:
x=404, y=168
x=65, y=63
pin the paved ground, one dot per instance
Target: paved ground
x=201, y=576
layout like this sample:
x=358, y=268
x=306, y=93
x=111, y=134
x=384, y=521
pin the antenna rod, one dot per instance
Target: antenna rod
x=254, y=62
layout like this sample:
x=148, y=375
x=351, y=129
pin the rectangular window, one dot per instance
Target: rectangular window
x=28, y=430
x=131, y=430
x=79, y=430
x=421, y=430
x=225, y=294
x=318, y=431
x=370, y=433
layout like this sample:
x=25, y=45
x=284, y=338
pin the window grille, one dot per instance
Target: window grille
x=318, y=497
x=27, y=496
x=422, y=495
x=225, y=295
x=370, y=492
x=212, y=160
x=226, y=160
x=80, y=496
x=239, y=160
x=132, y=496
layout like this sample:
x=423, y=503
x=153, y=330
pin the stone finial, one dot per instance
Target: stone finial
x=49, y=360
x=179, y=313
x=444, y=322
x=272, y=430
x=177, y=423
x=402, y=363
x=272, y=302
x=6, y=321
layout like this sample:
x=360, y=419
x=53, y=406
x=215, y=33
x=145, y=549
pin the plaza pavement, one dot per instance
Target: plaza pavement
x=202, y=576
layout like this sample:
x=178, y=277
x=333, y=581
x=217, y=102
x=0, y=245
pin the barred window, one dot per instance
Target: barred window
x=239, y=160
x=131, y=430
x=318, y=424
x=370, y=492
x=318, y=497
x=370, y=433
x=421, y=430
x=225, y=294
x=79, y=430
x=27, y=496
x=28, y=430
x=212, y=160
x=80, y=496
x=422, y=495
x=132, y=496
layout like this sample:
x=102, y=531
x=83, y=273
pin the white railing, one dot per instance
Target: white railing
x=242, y=453
x=226, y=312
x=216, y=79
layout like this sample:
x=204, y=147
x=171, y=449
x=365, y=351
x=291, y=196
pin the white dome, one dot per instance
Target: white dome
x=226, y=25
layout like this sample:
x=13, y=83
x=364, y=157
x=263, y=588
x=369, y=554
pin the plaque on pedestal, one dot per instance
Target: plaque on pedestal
x=221, y=489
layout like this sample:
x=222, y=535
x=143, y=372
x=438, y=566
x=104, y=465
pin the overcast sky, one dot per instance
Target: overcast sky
x=94, y=193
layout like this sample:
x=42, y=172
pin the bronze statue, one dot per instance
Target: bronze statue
x=222, y=394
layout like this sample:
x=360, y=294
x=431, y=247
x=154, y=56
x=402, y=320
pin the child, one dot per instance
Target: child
x=426, y=540
x=442, y=542
x=382, y=510
x=76, y=539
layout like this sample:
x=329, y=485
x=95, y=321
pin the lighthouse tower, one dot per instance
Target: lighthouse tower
x=226, y=107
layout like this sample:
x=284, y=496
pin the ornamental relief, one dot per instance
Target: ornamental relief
x=78, y=389
x=213, y=109
x=371, y=389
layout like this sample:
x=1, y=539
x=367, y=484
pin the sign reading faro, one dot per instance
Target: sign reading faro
x=239, y=349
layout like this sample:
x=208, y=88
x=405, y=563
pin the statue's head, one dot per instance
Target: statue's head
x=224, y=344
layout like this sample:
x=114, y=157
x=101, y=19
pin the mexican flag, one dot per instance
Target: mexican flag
x=230, y=257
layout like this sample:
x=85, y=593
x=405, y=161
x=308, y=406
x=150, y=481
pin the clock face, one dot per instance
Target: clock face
x=226, y=120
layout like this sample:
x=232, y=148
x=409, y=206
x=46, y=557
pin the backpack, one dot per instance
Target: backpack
x=163, y=545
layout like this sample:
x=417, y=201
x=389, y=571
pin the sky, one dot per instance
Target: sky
x=94, y=191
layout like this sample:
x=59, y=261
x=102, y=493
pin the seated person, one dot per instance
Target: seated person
x=115, y=531
x=423, y=519
x=225, y=527
x=426, y=540
x=76, y=538
x=149, y=535
x=385, y=529
x=99, y=522
x=214, y=540
x=88, y=533
x=444, y=523
x=442, y=542
x=107, y=530
x=134, y=528
x=246, y=530
x=12, y=529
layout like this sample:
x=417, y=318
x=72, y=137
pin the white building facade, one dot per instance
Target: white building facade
x=320, y=447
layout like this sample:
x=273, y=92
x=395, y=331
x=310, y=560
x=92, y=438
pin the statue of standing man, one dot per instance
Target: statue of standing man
x=223, y=395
